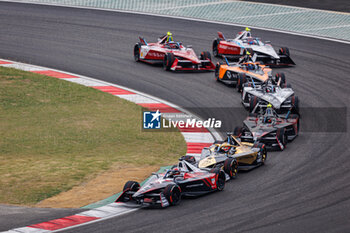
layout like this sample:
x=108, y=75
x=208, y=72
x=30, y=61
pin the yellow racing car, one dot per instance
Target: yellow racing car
x=231, y=155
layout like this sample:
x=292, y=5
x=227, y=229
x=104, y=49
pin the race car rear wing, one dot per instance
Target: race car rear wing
x=221, y=35
x=143, y=41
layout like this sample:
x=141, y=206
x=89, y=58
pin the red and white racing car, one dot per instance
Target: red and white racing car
x=244, y=42
x=173, y=55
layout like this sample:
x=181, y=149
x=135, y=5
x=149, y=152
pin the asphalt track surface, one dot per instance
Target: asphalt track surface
x=305, y=188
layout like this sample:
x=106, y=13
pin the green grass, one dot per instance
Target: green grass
x=56, y=134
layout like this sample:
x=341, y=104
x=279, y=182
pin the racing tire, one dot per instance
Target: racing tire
x=238, y=131
x=284, y=51
x=282, y=77
x=262, y=154
x=221, y=178
x=295, y=103
x=231, y=167
x=137, y=49
x=217, y=71
x=215, y=47
x=132, y=186
x=252, y=103
x=168, y=61
x=282, y=137
x=205, y=55
x=241, y=79
x=172, y=193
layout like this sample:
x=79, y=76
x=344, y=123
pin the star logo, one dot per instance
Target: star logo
x=152, y=120
x=156, y=116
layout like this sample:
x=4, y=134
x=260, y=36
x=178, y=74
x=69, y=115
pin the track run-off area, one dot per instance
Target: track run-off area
x=302, y=189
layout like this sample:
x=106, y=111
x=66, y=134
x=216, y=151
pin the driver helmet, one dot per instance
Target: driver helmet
x=225, y=147
x=268, y=111
x=250, y=67
x=169, y=37
x=175, y=172
x=248, y=32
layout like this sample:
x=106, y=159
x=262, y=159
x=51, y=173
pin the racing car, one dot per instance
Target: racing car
x=281, y=97
x=173, y=55
x=247, y=70
x=231, y=155
x=166, y=189
x=244, y=42
x=269, y=128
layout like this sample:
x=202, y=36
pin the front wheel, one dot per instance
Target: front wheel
x=241, y=79
x=253, y=103
x=282, y=138
x=280, y=77
x=220, y=178
x=131, y=186
x=231, y=167
x=172, y=193
x=217, y=72
x=262, y=153
x=205, y=55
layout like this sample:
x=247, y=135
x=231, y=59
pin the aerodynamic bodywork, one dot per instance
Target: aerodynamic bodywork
x=281, y=97
x=235, y=48
x=245, y=71
x=165, y=189
x=231, y=155
x=173, y=55
x=269, y=128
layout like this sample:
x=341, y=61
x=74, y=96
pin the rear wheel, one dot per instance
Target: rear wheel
x=172, y=193
x=262, y=154
x=241, y=79
x=168, y=61
x=215, y=47
x=284, y=51
x=137, y=50
x=131, y=186
x=231, y=167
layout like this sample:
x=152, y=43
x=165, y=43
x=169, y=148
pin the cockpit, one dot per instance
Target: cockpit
x=172, y=45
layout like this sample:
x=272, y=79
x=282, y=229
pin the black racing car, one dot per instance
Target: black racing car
x=270, y=128
x=167, y=188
